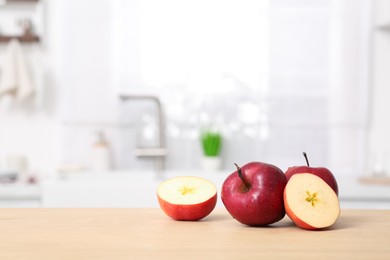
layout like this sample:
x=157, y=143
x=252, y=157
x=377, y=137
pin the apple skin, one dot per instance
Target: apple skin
x=192, y=212
x=260, y=205
x=321, y=172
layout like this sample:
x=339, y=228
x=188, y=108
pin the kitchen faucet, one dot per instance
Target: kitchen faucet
x=159, y=152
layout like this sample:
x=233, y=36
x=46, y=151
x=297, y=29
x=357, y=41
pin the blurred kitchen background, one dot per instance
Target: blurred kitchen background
x=100, y=100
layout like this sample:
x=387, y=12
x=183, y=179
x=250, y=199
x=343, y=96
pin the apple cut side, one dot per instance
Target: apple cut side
x=187, y=197
x=310, y=202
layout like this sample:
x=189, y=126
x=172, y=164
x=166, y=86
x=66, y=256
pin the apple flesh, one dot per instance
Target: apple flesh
x=187, y=197
x=253, y=194
x=310, y=202
x=321, y=172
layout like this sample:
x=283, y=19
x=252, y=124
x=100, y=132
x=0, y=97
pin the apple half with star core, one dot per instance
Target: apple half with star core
x=310, y=202
x=321, y=172
x=187, y=197
x=253, y=194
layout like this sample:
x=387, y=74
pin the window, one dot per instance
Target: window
x=279, y=77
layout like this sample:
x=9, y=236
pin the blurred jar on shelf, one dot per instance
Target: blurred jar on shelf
x=13, y=167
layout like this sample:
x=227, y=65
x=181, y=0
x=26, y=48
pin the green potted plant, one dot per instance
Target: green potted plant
x=211, y=144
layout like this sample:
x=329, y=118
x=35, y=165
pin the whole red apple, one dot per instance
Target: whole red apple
x=321, y=172
x=253, y=194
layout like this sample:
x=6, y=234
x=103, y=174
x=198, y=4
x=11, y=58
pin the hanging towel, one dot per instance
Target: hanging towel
x=15, y=78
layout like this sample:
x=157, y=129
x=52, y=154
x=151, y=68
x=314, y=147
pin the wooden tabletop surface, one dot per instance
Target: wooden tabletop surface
x=149, y=234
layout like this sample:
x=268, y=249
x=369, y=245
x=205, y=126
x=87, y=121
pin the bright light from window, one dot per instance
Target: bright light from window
x=207, y=45
x=199, y=56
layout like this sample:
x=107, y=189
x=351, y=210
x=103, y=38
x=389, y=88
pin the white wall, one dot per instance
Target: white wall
x=31, y=129
x=349, y=58
x=78, y=53
x=379, y=138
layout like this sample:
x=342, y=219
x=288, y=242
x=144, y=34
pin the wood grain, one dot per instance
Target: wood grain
x=149, y=234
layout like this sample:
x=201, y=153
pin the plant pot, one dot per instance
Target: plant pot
x=211, y=163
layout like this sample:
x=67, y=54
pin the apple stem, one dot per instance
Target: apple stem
x=244, y=180
x=307, y=160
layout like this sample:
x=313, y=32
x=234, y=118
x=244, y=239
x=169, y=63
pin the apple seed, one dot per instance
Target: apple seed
x=186, y=190
x=312, y=198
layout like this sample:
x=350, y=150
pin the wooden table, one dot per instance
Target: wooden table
x=149, y=234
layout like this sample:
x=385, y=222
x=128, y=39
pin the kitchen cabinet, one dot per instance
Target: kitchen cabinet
x=127, y=189
x=18, y=195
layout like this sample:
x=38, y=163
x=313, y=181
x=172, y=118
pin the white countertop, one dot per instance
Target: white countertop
x=123, y=189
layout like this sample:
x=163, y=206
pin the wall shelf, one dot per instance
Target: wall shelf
x=27, y=15
x=21, y=1
x=384, y=27
x=21, y=38
x=375, y=180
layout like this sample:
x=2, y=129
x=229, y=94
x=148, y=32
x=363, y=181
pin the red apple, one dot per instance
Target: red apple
x=187, y=197
x=321, y=172
x=310, y=202
x=253, y=194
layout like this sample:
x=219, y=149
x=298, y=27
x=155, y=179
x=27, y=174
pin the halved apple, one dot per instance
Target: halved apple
x=310, y=202
x=187, y=197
